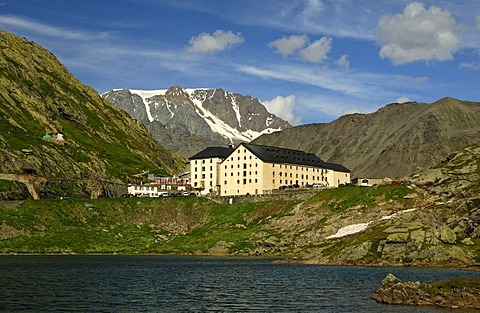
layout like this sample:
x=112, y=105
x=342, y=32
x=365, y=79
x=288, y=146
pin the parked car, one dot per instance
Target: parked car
x=185, y=194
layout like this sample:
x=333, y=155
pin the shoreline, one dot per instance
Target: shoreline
x=276, y=259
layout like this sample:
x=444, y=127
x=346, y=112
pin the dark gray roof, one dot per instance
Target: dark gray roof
x=213, y=152
x=289, y=156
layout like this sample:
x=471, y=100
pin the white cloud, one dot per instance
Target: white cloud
x=213, y=43
x=288, y=45
x=343, y=62
x=418, y=34
x=470, y=66
x=402, y=100
x=283, y=108
x=317, y=51
x=419, y=79
x=46, y=30
x=350, y=111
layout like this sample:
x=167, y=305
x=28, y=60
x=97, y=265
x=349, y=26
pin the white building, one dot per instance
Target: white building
x=205, y=168
x=253, y=169
x=143, y=191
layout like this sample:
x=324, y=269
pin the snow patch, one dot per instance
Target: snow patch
x=357, y=228
x=236, y=108
x=349, y=230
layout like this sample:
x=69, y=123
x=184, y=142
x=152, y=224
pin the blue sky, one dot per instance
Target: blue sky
x=308, y=61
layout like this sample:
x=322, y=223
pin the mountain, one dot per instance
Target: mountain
x=189, y=120
x=98, y=148
x=394, y=141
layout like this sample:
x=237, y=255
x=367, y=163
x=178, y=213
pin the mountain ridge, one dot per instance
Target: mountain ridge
x=394, y=141
x=191, y=119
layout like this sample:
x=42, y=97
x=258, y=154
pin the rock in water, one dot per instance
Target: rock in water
x=451, y=293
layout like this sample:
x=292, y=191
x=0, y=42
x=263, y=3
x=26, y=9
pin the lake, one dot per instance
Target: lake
x=196, y=284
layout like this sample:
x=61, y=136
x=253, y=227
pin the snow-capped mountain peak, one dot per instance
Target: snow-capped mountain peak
x=210, y=115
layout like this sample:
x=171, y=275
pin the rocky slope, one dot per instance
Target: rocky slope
x=101, y=147
x=440, y=226
x=395, y=141
x=189, y=120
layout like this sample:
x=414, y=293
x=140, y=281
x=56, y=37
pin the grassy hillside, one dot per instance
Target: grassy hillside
x=272, y=228
x=102, y=145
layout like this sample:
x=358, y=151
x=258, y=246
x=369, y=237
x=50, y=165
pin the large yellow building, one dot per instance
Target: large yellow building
x=253, y=169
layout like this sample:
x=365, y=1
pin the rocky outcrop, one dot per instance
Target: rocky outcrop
x=452, y=293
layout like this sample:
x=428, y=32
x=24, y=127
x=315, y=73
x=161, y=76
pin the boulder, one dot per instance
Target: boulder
x=445, y=234
x=397, y=238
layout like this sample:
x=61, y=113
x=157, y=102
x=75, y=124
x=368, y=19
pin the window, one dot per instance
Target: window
x=244, y=165
x=225, y=182
x=195, y=161
x=203, y=176
x=273, y=165
x=256, y=165
x=231, y=174
x=211, y=161
x=203, y=169
x=273, y=173
x=244, y=173
x=280, y=173
x=211, y=168
x=256, y=180
x=238, y=181
x=249, y=181
x=211, y=175
x=203, y=161
x=273, y=181
x=225, y=174
x=225, y=167
x=195, y=176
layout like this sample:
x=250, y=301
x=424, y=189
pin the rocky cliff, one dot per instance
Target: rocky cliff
x=395, y=141
x=189, y=120
x=54, y=126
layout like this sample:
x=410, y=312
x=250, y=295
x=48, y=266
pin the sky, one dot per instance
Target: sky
x=307, y=61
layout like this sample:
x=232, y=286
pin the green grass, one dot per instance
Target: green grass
x=341, y=199
x=130, y=225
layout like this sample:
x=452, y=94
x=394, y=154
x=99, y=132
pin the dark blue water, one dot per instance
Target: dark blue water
x=195, y=284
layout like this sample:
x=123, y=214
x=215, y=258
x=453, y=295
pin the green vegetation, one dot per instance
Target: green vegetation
x=341, y=199
x=455, y=284
x=163, y=225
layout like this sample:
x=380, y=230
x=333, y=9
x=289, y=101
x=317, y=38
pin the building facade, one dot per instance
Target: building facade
x=205, y=169
x=253, y=169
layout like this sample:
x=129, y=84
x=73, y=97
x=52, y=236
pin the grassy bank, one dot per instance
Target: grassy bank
x=163, y=225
